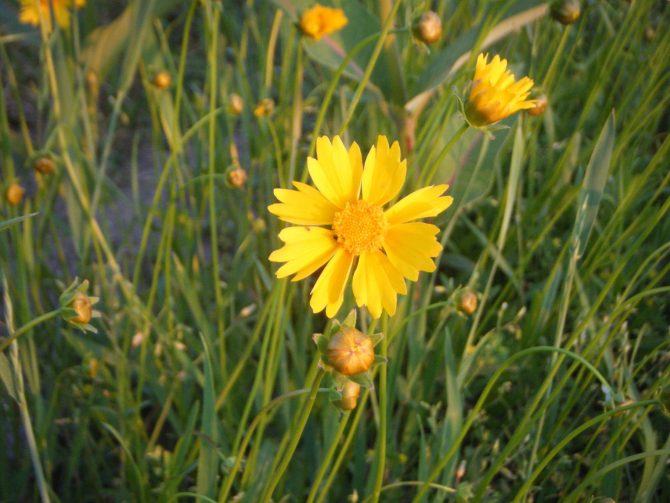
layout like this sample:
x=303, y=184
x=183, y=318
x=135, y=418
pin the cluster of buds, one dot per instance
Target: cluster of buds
x=77, y=306
x=349, y=355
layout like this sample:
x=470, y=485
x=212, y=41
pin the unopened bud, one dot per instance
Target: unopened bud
x=429, y=28
x=566, y=11
x=541, y=104
x=15, y=193
x=83, y=307
x=45, y=165
x=264, y=108
x=350, y=352
x=237, y=177
x=350, y=393
x=235, y=104
x=468, y=302
x=162, y=80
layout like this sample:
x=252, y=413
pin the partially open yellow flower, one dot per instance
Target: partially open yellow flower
x=319, y=21
x=344, y=226
x=30, y=14
x=495, y=94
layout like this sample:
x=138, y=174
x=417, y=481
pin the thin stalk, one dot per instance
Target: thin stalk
x=27, y=327
x=383, y=413
x=440, y=157
x=295, y=435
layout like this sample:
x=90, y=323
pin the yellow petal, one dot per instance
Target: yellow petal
x=305, y=206
x=376, y=283
x=422, y=203
x=328, y=291
x=384, y=172
x=306, y=250
x=333, y=173
x=411, y=246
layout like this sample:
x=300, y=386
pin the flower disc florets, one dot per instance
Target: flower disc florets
x=359, y=227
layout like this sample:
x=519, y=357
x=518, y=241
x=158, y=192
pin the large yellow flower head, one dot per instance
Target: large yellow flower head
x=495, y=94
x=319, y=21
x=343, y=225
x=29, y=13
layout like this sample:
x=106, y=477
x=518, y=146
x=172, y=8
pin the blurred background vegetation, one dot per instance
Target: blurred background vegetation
x=160, y=166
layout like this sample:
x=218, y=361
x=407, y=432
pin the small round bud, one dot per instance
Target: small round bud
x=429, y=28
x=350, y=393
x=468, y=303
x=83, y=307
x=235, y=104
x=566, y=11
x=541, y=104
x=45, y=165
x=237, y=177
x=649, y=33
x=264, y=108
x=162, y=80
x=15, y=193
x=350, y=352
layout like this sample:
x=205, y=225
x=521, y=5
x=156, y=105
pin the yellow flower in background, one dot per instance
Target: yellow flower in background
x=319, y=21
x=495, y=94
x=29, y=13
x=342, y=224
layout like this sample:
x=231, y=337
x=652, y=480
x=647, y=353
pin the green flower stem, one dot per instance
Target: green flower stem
x=27, y=327
x=443, y=153
x=295, y=435
x=383, y=412
x=335, y=441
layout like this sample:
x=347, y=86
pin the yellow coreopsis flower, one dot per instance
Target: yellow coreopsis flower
x=29, y=13
x=319, y=21
x=342, y=224
x=495, y=94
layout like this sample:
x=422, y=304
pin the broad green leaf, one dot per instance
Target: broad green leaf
x=592, y=187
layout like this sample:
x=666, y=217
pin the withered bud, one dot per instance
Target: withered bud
x=162, y=80
x=429, y=28
x=45, y=165
x=468, y=302
x=541, y=104
x=566, y=11
x=15, y=193
x=350, y=352
x=350, y=393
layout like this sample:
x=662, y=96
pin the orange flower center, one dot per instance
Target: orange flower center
x=360, y=227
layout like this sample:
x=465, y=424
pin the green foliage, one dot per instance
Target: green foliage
x=203, y=381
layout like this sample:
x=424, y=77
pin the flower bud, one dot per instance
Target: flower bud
x=15, y=193
x=541, y=104
x=237, y=177
x=45, y=165
x=264, y=108
x=77, y=306
x=235, y=104
x=429, y=28
x=566, y=11
x=162, y=80
x=350, y=352
x=468, y=302
x=350, y=393
x=83, y=307
x=649, y=33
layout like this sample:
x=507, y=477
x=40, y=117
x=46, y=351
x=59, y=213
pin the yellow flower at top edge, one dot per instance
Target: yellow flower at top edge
x=495, y=94
x=342, y=225
x=29, y=13
x=319, y=21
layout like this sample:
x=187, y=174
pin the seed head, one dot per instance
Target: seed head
x=566, y=11
x=429, y=28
